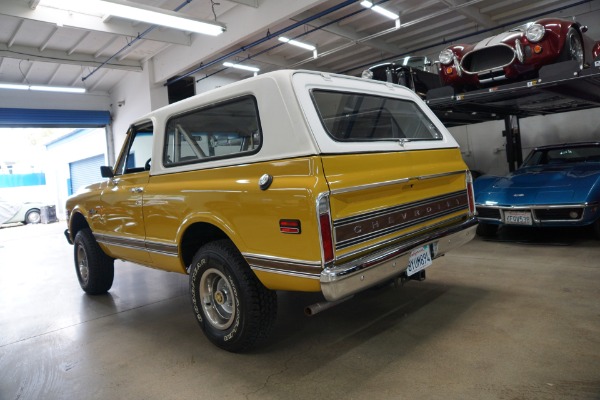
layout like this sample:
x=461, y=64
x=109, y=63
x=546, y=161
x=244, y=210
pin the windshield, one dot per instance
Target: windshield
x=565, y=155
x=355, y=117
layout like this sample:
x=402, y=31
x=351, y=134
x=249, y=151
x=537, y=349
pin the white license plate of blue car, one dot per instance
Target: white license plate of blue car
x=420, y=258
x=518, y=218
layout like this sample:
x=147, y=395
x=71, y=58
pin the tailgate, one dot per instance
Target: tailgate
x=381, y=197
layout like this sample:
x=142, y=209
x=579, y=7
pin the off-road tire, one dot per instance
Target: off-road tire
x=235, y=311
x=95, y=270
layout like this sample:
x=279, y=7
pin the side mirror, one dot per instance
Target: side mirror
x=106, y=172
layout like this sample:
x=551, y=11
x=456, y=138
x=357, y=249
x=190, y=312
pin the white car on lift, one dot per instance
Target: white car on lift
x=24, y=212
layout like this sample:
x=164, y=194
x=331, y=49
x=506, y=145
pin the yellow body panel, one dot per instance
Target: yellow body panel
x=389, y=180
x=276, y=281
x=230, y=199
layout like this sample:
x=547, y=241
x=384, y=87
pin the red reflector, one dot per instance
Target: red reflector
x=449, y=70
x=326, y=240
x=537, y=49
x=289, y=226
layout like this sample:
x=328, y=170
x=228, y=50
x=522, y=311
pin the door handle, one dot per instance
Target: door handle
x=137, y=190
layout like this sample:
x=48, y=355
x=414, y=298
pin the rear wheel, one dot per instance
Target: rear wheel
x=95, y=270
x=33, y=216
x=486, y=230
x=233, y=308
x=573, y=48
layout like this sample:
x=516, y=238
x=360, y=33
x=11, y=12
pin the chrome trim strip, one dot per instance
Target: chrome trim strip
x=131, y=243
x=373, y=235
x=287, y=273
x=271, y=260
x=396, y=218
x=163, y=248
x=354, y=276
x=138, y=244
x=425, y=177
x=539, y=206
x=285, y=266
x=360, y=217
x=396, y=239
x=394, y=182
x=369, y=186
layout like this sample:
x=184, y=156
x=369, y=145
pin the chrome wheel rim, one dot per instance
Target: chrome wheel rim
x=217, y=298
x=82, y=264
x=576, y=50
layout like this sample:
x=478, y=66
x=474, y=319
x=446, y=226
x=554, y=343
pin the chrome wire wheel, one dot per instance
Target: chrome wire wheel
x=576, y=49
x=217, y=297
x=82, y=264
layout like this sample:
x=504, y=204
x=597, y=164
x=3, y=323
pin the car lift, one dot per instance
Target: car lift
x=560, y=87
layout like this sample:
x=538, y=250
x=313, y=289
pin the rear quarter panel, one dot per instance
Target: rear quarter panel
x=230, y=199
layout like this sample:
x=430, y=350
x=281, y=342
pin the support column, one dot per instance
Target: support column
x=512, y=132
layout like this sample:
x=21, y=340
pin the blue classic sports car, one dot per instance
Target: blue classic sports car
x=557, y=185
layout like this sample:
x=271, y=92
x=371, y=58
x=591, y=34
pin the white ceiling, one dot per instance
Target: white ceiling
x=37, y=47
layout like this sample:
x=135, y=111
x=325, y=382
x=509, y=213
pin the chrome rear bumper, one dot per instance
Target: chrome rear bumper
x=343, y=280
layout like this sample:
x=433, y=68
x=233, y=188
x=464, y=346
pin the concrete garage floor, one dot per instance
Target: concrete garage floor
x=496, y=320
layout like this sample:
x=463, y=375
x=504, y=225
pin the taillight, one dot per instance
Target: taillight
x=325, y=228
x=470, y=193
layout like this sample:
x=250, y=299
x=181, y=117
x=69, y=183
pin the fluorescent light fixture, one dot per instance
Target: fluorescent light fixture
x=240, y=66
x=13, y=86
x=42, y=88
x=380, y=10
x=137, y=12
x=61, y=89
x=297, y=43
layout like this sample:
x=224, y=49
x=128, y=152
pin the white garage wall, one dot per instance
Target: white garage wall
x=84, y=144
x=133, y=98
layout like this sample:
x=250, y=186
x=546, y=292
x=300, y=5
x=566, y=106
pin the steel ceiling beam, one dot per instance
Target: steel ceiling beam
x=54, y=56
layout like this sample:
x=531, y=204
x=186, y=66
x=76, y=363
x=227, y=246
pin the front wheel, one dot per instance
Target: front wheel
x=597, y=228
x=95, y=270
x=233, y=308
x=573, y=48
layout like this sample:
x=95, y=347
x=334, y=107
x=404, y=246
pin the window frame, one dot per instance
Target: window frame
x=209, y=158
x=372, y=140
x=132, y=133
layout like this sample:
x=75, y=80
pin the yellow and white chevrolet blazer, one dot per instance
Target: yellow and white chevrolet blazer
x=291, y=180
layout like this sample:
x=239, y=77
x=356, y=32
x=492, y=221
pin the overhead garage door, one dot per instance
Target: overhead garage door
x=85, y=172
x=23, y=117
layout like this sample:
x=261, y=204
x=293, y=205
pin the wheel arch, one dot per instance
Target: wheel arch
x=77, y=222
x=195, y=236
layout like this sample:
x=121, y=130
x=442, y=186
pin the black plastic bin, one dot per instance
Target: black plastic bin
x=48, y=214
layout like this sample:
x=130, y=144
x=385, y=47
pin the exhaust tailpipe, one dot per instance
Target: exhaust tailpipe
x=323, y=305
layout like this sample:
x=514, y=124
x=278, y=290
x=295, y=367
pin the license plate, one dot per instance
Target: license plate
x=420, y=258
x=517, y=218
